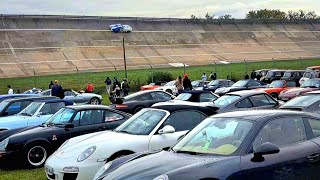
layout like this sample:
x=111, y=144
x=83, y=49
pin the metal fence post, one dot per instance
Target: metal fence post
x=246, y=65
x=215, y=66
x=300, y=61
x=151, y=73
x=274, y=63
x=35, y=78
x=184, y=68
x=78, y=77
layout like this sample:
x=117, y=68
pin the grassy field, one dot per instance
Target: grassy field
x=236, y=71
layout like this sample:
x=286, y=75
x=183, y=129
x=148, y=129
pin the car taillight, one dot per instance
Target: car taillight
x=121, y=106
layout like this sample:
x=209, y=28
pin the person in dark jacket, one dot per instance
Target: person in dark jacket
x=186, y=83
x=253, y=74
x=57, y=90
x=50, y=85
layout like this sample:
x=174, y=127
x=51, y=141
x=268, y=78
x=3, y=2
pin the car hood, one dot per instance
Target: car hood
x=33, y=130
x=11, y=121
x=149, y=86
x=102, y=140
x=151, y=166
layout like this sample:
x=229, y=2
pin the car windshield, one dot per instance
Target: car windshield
x=311, y=83
x=61, y=117
x=270, y=74
x=195, y=83
x=171, y=83
x=3, y=104
x=214, y=83
x=225, y=100
x=287, y=74
x=302, y=101
x=183, y=96
x=218, y=136
x=277, y=84
x=143, y=122
x=307, y=74
x=241, y=83
x=31, y=109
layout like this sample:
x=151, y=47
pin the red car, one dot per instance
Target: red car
x=276, y=87
x=307, y=86
x=152, y=86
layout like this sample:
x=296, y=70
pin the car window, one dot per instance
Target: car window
x=51, y=108
x=253, y=83
x=112, y=116
x=315, y=126
x=259, y=100
x=145, y=97
x=160, y=96
x=271, y=101
x=281, y=132
x=245, y=103
x=183, y=96
x=69, y=93
x=46, y=93
x=226, y=100
x=184, y=120
x=14, y=108
x=88, y=117
x=207, y=97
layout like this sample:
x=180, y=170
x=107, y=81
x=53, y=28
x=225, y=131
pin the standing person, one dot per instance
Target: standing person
x=215, y=76
x=125, y=87
x=253, y=74
x=10, y=90
x=204, y=77
x=186, y=83
x=57, y=90
x=179, y=84
x=115, y=82
x=50, y=85
x=211, y=76
x=108, y=85
x=89, y=88
x=246, y=76
x=117, y=91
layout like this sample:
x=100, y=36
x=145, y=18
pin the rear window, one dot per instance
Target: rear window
x=302, y=101
x=183, y=96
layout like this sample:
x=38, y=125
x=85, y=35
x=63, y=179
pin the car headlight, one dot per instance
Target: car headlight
x=86, y=153
x=102, y=170
x=162, y=177
x=4, y=143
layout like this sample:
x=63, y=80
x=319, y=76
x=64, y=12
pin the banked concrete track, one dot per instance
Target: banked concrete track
x=63, y=44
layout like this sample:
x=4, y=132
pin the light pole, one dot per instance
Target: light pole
x=124, y=59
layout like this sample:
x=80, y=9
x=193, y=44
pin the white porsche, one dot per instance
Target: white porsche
x=150, y=129
x=170, y=87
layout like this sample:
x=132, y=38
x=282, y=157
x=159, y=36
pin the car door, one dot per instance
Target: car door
x=296, y=155
x=182, y=121
x=262, y=101
x=75, y=97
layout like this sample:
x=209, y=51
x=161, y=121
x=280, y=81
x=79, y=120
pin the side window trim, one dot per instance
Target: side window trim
x=308, y=127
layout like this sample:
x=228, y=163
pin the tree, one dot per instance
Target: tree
x=301, y=15
x=226, y=16
x=209, y=17
x=266, y=14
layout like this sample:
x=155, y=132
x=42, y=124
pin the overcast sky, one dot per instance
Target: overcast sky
x=151, y=8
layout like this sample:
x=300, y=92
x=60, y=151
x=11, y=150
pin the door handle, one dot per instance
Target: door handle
x=313, y=157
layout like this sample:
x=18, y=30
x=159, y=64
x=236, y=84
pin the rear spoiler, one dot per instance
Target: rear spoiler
x=116, y=100
x=212, y=107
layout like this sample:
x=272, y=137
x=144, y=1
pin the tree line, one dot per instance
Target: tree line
x=268, y=14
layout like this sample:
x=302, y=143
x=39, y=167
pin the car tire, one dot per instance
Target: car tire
x=137, y=109
x=274, y=95
x=35, y=155
x=95, y=101
x=169, y=91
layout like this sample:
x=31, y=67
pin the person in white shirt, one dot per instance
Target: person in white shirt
x=204, y=77
x=10, y=91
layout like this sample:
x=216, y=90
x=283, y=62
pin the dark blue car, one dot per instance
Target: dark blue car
x=10, y=96
x=257, y=145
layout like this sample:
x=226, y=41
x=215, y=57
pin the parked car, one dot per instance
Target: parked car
x=34, y=144
x=273, y=75
x=120, y=28
x=308, y=102
x=262, y=72
x=35, y=114
x=245, y=100
x=170, y=87
x=293, y=76
x=152, y=86
x=150, y=129
x=247, y=145
x=215, y=84
x=277, y=86
x=241, y=85
x=11, y=96
x=33, y=91
x=79, y=98
x=308, y=86
x=11, y=107
x=196, y=96
x=133, y=103
x=310, y=73
x=199, y=83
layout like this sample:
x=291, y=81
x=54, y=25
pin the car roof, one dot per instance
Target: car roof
x=246, y=92
x=27, y=98
x=182, y=105
x=83, y=107
x=295, y=70
x=17, y=95
x=277, y=70
x=55, y=100
x=144, y=92
x=259, y=115
x=313, y=92
x=196, y=91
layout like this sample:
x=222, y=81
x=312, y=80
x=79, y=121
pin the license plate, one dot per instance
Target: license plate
x=49, y=170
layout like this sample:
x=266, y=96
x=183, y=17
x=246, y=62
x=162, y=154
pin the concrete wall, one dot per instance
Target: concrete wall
x=48, y=45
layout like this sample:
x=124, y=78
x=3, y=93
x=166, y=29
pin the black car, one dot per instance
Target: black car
x=215, y=84
x=196, y=96
x=199, y=83
x=251, y=145
x=11, y=107
x=34, y=144
x=293, y=76
x=245, y=100
x=133, y=103
x=273, y=75
x=308, y=102
x=241, y=85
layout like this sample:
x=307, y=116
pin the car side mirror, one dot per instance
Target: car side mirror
x=166, y=130
x=172, y=97
x=40, y=114
x=69, y=126
x=265, y=149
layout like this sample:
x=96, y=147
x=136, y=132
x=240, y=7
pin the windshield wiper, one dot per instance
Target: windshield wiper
x=189, y=152
x=124, y=131
x=25, y=114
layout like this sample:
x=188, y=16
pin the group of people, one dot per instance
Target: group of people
x=183, y=84
x=116, y=88
x=212, y=76
x=253, y=75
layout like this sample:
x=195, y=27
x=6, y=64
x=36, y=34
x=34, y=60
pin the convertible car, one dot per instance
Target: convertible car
x=78, y=98
x=33, y=145
x=36, y=113
x=247, y=145
x=149, y=129
x=241, y=85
